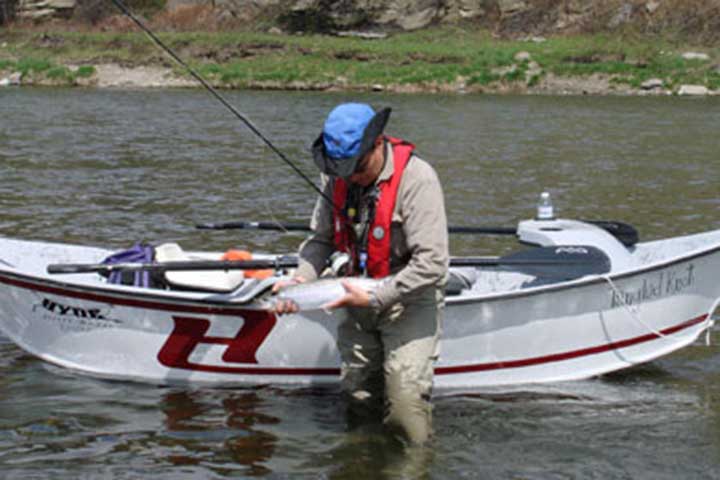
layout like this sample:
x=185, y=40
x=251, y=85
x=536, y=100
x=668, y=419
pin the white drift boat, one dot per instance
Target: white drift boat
x=501, y=327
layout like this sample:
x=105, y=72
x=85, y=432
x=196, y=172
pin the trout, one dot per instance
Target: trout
x=316, y=294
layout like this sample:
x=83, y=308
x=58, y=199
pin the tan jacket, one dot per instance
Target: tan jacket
x=419, y=255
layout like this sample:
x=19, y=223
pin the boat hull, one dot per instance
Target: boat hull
x=559, y=332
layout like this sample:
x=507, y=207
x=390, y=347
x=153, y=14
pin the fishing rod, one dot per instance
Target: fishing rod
x=628, y=234
x=125, y=10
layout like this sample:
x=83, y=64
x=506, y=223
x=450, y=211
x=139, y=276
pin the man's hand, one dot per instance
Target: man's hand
x=286, y=306
x=354, y=297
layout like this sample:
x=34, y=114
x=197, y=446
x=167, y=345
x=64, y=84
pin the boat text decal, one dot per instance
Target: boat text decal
x=190, y=332
x=662, y=284
x=71, y=318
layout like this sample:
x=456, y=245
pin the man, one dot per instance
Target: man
x=383, y=206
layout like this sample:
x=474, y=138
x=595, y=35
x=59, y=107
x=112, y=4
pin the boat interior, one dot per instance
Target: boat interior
x=32, y=258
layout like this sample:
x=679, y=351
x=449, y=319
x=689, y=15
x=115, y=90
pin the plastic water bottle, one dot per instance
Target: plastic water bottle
x=545, y=207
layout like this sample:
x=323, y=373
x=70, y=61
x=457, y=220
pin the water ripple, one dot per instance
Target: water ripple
x=113, y=167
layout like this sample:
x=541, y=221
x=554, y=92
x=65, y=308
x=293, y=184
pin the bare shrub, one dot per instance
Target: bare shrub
x=684, y=20
x=7, y=11
x=697, y=20
x=94, y=11
x=116, y=23
x=187, y=18
x=536, y=20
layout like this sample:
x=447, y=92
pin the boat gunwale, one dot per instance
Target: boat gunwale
x=216, y=305
x=590, y=279
x=135, y=297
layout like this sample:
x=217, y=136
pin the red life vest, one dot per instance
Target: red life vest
x=378, y=261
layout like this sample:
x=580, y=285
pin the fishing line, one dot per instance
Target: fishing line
x=123, y=8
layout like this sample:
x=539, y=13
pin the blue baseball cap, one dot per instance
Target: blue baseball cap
x=348, y=135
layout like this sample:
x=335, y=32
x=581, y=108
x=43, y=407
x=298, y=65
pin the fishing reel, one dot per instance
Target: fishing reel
x=340, y=264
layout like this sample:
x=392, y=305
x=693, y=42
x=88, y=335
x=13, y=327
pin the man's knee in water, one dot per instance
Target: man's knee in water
x=408, y=407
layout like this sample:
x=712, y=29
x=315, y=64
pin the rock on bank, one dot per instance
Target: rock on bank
x=112, y=75
x=506, y=17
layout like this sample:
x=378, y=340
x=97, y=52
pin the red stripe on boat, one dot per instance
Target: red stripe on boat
x=221, y=310
x=559, y=357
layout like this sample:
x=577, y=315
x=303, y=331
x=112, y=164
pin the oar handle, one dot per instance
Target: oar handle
x=190, y=265
x=71, y=268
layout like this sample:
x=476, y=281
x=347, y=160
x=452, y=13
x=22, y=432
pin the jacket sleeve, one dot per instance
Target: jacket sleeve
x=424, y=225
x=318, y=247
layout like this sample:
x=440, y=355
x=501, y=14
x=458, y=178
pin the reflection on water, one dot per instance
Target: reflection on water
x=189, y=418
x=649, y=420
x=113, y=167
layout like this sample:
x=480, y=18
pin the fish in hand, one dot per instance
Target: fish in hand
x=315, y=295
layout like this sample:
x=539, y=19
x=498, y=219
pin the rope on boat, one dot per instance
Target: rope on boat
x=634, y=313
x=711, y=322
x=7, y=263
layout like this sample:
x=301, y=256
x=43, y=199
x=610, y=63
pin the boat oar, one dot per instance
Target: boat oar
x=184, y=265
x=625, y=233
x=273, y=226
x=553, y=262
x=563, y=262
x=302, y=227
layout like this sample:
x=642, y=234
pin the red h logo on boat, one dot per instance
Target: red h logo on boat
x=189, y=332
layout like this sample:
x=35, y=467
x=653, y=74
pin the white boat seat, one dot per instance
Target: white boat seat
x=208, y=281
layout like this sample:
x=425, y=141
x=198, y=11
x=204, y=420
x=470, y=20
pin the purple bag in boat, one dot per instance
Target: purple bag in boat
x=138, y=253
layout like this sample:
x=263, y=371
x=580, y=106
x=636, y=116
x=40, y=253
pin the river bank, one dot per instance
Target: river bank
x=446, y=60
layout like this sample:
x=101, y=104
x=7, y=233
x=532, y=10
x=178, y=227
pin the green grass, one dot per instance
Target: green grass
x=412, y=58
x=483, y=78
x=85, y=71
x=59, y=73
x=426, y=57
x=41, y=68
x=33, y=65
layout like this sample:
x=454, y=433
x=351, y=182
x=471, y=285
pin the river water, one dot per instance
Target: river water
x=113, y=167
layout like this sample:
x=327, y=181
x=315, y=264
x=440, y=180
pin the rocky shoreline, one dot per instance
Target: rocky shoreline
x=442, y=60
x=615, y=47
x=112, y=75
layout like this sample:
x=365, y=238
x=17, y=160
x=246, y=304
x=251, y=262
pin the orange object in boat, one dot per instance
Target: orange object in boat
x=241, y=255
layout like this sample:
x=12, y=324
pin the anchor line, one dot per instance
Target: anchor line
x=634, y=312
x=711, y=322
